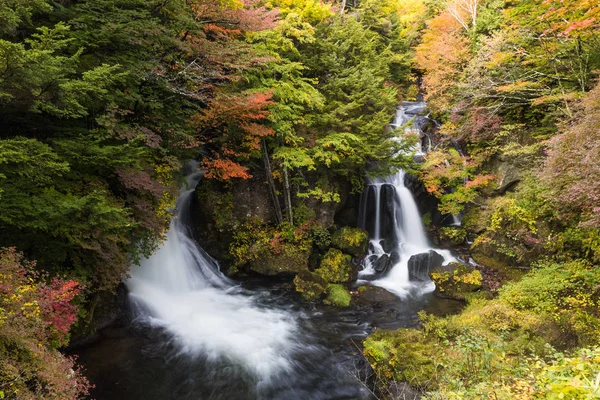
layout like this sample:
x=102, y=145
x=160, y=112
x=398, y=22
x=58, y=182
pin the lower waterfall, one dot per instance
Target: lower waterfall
x=181, y=289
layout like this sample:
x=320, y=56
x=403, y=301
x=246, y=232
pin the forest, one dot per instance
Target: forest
x=284, y=104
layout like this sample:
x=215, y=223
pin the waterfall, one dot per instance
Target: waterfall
x=181, y=290
x=391, y=216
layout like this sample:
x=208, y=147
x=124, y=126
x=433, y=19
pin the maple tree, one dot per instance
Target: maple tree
x=231, y=129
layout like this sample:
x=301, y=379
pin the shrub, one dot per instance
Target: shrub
x=351, y=240
x=453, y=236
x=310, y=285
x=568, y=293
x=456, y=280
x=35, y=318
x=336, y=267
x=505, y=348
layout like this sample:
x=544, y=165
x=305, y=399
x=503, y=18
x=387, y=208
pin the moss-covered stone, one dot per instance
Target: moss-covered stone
x=338, y=295
x=475, y=220
x=452, y=236
x=351, y=240
x=404, y=355
x=290, y=260
x=456, y=280
x=213, y=218
x=310, y=285
x=336, y=267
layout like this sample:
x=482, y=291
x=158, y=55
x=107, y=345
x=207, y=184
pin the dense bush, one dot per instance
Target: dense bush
x=505, y=347
x=35, y=318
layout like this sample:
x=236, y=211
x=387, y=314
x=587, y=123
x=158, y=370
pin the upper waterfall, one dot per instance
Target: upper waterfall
x=389, y=213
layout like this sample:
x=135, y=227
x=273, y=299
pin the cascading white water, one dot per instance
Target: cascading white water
x=406, y=238
x=181, y=289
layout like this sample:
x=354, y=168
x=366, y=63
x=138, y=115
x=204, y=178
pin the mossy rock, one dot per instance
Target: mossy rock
x=310, y=285
x=511, y=274
x=373, y=296
x=290, y=260
x=452, y=236
x=338, y=295
x=493, y=252
x=351, y=240
x=336, y=267
x=403, y=355
x=475, y=220
x=456, y=281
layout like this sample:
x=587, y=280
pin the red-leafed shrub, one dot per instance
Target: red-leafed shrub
x=35, y=318
x=573, y=165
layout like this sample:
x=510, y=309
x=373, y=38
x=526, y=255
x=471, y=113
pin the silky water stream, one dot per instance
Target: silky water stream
x=191, y=333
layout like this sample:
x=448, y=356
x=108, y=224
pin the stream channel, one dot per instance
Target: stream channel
x=191, y=333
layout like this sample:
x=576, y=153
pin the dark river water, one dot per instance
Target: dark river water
x=141, y=361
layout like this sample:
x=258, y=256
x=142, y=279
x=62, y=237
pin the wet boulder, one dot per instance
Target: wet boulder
x=387, y=210
x=388, y=245
x=421, y=264
x=373, y=296
x=310, y=285
x=394, y=258
x=382, y=264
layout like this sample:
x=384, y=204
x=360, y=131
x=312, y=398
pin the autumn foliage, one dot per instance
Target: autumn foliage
x=573, y=165
x=232, y=128
x=441, y=54
x=35, y=318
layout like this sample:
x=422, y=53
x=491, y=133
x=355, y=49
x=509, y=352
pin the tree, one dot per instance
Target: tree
x=232, y=130
x=465, y=12
x=441, y=55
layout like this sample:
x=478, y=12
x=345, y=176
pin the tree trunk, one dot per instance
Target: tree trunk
x=272, y=190
x=287, y=196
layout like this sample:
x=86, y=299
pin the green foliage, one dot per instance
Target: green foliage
x=331, y=95
x=403, y=356
x=320, y=237
x=14, y=13
x=567, y=293
x=38, y=78
x=573, y=377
